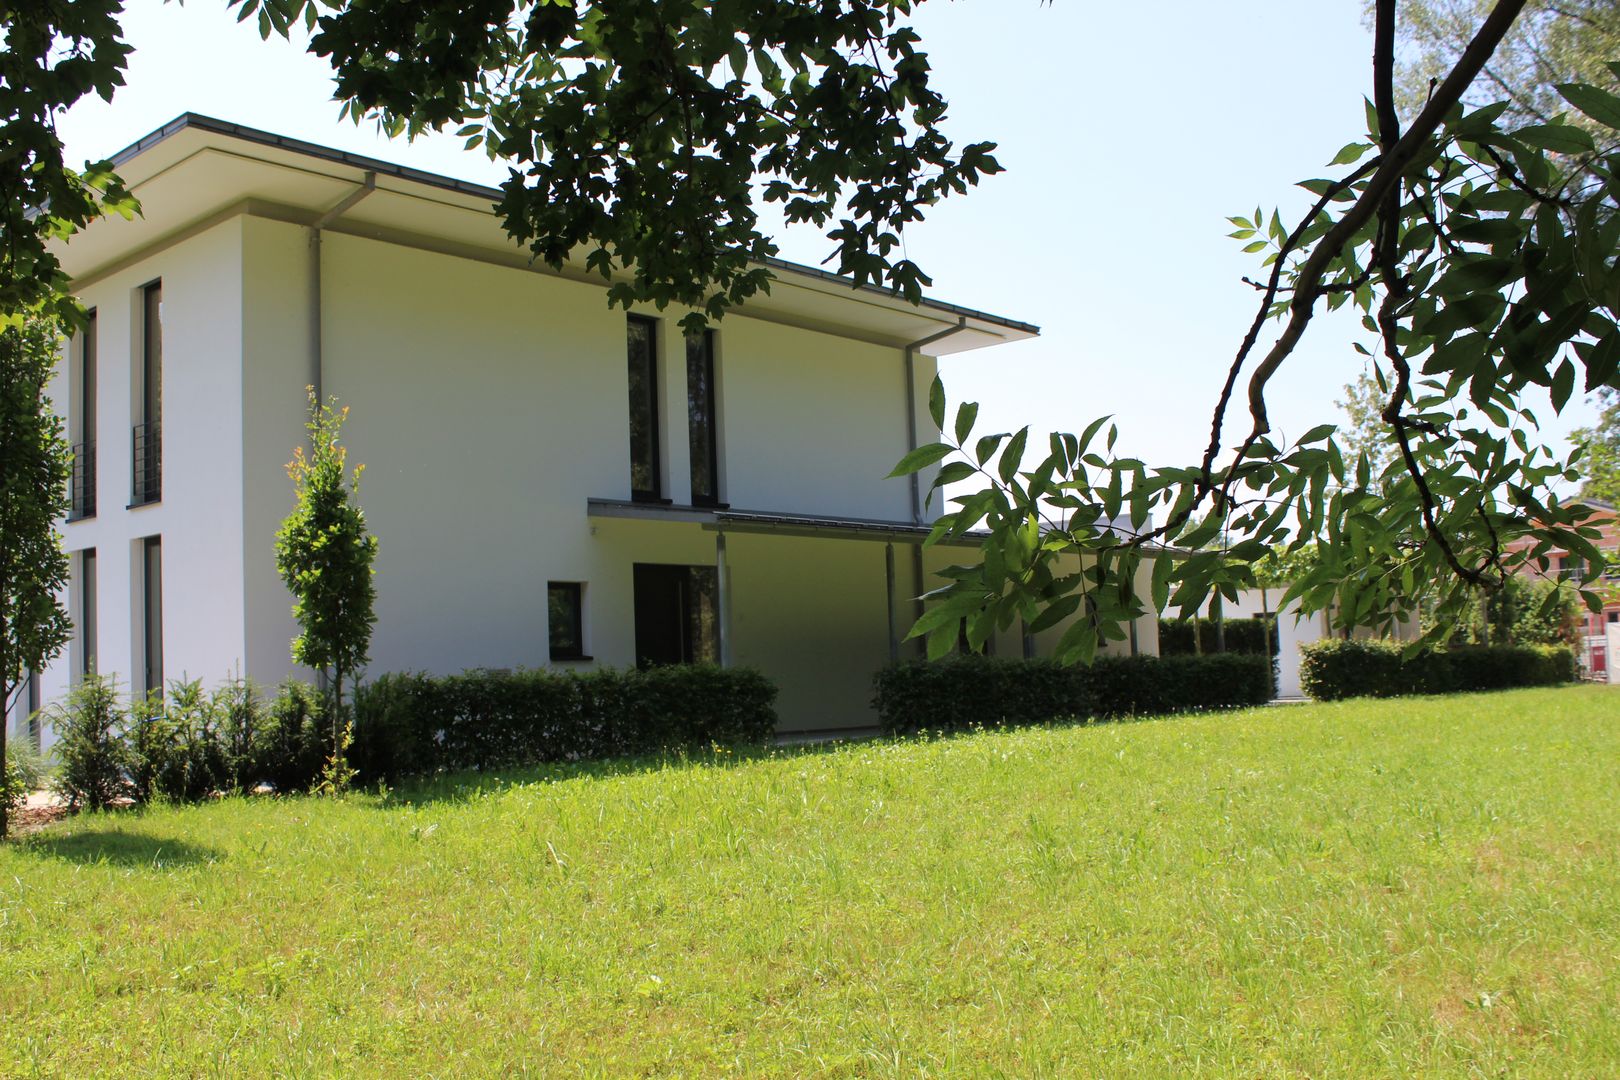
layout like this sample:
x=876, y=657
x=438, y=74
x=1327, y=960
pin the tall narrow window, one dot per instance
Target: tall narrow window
x=565, y=616
x=31, y=707
x=148, y=438
x=152, y=613
x=700, y=418
x=645, y=482
x=87, y=612
x=83, y=504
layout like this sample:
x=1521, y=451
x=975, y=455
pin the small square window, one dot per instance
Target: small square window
x=565, y=618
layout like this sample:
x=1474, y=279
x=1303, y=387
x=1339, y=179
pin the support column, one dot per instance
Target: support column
x=722, y=598
x=888, y=577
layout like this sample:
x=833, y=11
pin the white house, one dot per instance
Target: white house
x=553, y=482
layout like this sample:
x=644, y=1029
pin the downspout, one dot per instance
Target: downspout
x=911, y=444
x=347, y=203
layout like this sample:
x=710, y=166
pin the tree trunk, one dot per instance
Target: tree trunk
x=5, y=708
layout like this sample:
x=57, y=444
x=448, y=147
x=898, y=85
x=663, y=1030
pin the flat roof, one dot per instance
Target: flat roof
x=198, y=122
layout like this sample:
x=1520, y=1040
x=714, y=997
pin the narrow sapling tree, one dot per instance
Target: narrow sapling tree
x=34, y=469
x=325, y=556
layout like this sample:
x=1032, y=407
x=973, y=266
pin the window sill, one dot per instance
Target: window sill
x=572, y=658
x=71, y=518
x=147, y=502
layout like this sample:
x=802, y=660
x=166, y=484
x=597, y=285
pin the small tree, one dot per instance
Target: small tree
x=325, y=556
x=34, y=470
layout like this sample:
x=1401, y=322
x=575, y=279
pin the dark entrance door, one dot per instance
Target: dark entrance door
x=676, y=616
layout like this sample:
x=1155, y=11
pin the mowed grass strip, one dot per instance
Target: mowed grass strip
x=1408, y=887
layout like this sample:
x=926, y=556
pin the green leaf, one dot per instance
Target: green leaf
x=1351, y=153
x=953, y=472
x=966, y=414
x=1563, y=385
x=936, y=404
x=1012, y=456
x=1556, y=138
x=1317, y=434
x=1600, y=105
x=921, y=458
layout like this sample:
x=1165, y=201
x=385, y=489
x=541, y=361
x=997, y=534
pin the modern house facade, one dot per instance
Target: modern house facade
x=552, y=481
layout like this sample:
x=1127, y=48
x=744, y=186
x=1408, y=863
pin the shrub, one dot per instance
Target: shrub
x=176, y=750
x=90, y=750
x=23, y=773
x=968, y=691
x=412, y=723
x=289, y=741
x=1334, y=669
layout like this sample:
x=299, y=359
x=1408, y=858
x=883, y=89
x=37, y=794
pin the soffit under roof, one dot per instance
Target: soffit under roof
x=196, y=170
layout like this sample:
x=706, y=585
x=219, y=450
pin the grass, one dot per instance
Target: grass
x=1414, y=887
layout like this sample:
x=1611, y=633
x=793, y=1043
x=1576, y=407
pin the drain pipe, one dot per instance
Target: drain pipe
x=367, y=186
x=911, y=444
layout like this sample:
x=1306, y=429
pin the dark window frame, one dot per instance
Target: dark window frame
x=152, y=614
x=89, y=568
x=146, y=437
x=576, y=590
x=700, y=353
x=694, y=589
x=82, y=501
x=655, y=462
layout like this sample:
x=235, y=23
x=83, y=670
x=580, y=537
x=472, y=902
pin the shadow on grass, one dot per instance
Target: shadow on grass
x=465, y=786
x=115, y=846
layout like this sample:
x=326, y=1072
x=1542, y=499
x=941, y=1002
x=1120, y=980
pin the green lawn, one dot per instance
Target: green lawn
x=1418, y=887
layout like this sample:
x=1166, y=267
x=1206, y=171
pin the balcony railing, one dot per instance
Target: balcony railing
x=82, y=487
x=147, y=444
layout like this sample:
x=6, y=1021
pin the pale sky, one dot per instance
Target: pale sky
x=1129, y=133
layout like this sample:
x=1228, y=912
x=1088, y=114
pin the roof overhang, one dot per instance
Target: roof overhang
x=195, y=171
x=776, y=523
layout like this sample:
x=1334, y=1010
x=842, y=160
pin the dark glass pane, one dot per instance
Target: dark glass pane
x=643, y=409
x=564, y=620
x=700, y=418
x=702, y=616
x=87, y=611
x=152, y=375
x=154, y=615
x=87, y=384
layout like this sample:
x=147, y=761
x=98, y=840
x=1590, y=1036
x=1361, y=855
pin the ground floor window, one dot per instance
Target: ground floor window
x=152, y=614
x=565, y=619
x=677, y=614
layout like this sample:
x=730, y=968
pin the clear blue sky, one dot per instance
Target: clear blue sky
x=1129, y=132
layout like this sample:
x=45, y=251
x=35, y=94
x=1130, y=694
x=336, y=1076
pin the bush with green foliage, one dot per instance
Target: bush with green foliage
x=412, y=723
x=24, y=772
x=93, y=758
x=980, y=691
x=1242, y=636
x=176, y=749
x=1334, y=669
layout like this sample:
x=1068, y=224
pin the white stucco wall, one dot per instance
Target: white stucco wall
x=489, y=404
x=199, y=518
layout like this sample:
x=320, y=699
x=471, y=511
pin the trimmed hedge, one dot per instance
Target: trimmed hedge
x=1334, y=669
x=410, y=723
x=1242, y=636
x=969, y=691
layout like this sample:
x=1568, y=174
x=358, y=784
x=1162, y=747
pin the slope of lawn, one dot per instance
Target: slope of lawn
x=1411, y=887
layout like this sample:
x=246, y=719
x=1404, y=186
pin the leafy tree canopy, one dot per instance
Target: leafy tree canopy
x=639, y=133
x=1481, y=254
x=1552, y=42
x=52, y=53
x=1600, y=446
